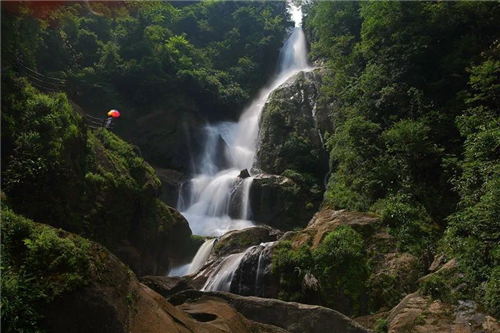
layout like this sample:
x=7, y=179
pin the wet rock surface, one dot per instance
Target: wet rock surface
x=253, y=276
x=244, y=174
x=239, y=240
x=234, y=242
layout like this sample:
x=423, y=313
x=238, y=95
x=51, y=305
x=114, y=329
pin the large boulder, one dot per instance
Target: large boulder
x=116, y=302
x=290, y=137
x=151, y=249
x=418, y=313
x=254, y=277
x=60, y=282
x=239, y=240
x=288, y=317
x=281, y=202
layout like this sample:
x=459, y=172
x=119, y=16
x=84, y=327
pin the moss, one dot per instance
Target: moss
x=243, y=240
x=195, y=242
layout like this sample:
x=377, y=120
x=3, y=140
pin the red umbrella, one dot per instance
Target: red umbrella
x=114, y=113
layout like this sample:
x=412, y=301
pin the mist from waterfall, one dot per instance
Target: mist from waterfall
x=230, y=147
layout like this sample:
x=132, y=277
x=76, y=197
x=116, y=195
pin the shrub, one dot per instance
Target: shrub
x=381, y=326
x=340, y=265
x=408, y=222
x=39, y=264
x=291, y=266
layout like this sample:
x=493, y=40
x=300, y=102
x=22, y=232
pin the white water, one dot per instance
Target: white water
x=221, y=278
x=259, y=277
x=207, y=200
x=199, y=259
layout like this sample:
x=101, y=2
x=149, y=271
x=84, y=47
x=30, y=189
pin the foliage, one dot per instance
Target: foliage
x=153, y=54
x=410, y=224
x=338, y=262
x=39, y=264
x=492, y=296
x=341, y=266
x=381, y=326
x=413, y=88
x=291, y=266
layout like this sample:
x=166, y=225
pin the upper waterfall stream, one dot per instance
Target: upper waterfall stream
x=206, y=199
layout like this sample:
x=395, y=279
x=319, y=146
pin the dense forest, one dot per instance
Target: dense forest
x=374, y=190
x=414, y=88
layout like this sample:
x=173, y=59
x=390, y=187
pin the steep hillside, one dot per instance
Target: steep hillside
x=57, y=171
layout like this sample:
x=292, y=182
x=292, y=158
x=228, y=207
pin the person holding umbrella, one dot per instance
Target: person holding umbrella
x=111, y=114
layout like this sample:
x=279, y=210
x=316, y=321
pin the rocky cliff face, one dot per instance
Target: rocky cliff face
x=290, y=154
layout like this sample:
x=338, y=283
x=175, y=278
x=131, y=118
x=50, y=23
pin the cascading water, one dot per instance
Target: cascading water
x=223, y=275
x=207, y=199
x=199, y=259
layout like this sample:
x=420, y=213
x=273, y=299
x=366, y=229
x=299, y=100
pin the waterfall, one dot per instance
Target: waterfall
x=261, y=266
x=206, y=201
x=199, y=259
x=245, y=209
x=221, y=278
x=224, y=277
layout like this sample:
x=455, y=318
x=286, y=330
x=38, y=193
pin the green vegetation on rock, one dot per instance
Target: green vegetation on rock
x=91, y=183
x=339, y=263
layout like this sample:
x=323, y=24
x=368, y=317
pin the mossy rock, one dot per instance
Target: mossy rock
x=289, y=135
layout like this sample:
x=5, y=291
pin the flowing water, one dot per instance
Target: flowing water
x=221, y=278
x=199, y=259
x=230, y=147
